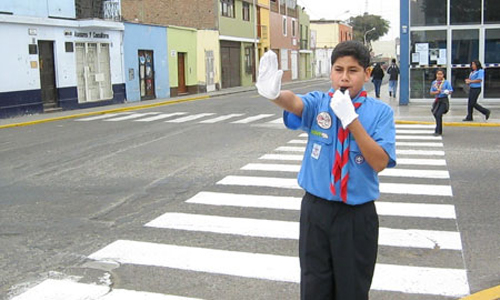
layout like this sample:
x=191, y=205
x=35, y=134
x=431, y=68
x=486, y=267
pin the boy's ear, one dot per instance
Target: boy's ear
x=367, y=74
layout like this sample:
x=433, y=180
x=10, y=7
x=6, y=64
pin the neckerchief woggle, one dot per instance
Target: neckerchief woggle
x=340, y=168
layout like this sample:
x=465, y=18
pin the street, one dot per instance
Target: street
x=199, y=200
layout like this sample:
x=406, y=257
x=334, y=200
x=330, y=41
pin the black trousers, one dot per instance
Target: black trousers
x=473, y=95
x=438, y=113
x=338, y=247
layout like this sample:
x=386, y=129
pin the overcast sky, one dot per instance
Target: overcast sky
x=336, y=10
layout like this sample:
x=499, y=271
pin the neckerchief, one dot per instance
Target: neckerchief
x=340, y=169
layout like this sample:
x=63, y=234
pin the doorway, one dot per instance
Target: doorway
x=181, y=73
x=146, y=75
x=47, y=74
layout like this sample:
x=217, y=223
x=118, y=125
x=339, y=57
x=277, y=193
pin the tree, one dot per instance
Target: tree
x=363, y=23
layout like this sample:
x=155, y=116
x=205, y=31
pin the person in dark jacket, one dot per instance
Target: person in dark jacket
x=393, y=72
x=377, y=75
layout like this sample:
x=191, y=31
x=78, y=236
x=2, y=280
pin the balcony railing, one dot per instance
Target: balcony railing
x=111, y=10
x=262, y=32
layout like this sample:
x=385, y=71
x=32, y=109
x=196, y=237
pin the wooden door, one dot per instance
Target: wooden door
x=47, y=74
x=181, y=67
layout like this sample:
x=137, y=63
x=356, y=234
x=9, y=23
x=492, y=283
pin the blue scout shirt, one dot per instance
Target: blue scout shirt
x=474, y=75
x=446, y=86
x=378, y=120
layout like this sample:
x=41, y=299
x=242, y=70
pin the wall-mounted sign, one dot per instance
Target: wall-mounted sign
x=95, y=35
x=173, y=53
x=32, y=31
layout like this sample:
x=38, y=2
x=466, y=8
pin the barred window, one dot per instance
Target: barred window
x=246, y=11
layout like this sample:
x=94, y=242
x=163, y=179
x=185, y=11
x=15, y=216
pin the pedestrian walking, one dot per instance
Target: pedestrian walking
x=393, y=72
x=441, y=88
x=377, y=75
x=474, y=82
x=351, y=137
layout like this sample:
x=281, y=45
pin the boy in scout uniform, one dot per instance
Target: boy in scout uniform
x=351, y=139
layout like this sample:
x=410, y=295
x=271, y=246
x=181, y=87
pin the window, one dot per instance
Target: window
x=491, y=9
x=464, y=46
x=428, y=12
x=432, y=40
x=284, y=26
x=227, y=8
x=294, y=24
x=465, y=12
x=246, y=11
x=492, y=55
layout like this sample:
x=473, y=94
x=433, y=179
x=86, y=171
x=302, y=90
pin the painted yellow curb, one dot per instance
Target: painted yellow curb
x=81, y=115
x=489, y=294
x=451, y=124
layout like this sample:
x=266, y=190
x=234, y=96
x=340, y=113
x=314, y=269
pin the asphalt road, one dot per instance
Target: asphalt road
x=71, y=188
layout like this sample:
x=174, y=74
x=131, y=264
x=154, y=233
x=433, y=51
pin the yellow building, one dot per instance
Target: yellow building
x=263, y=27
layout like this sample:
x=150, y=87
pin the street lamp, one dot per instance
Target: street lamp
x=364, y=38
x=342, y=13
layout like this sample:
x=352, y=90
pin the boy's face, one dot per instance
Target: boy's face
x=348, y=73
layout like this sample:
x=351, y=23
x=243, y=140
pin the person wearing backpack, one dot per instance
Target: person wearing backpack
x=393, y=72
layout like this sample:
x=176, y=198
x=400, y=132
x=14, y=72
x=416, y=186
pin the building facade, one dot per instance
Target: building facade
x=58, y=59
x=305, y=52
x=449, y=34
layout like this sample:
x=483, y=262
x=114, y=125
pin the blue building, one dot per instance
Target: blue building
x=449, y=34
x=60, y=54
x=146, y=62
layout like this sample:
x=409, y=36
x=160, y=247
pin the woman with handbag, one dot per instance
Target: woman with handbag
x=474, y=82
x=441, y=88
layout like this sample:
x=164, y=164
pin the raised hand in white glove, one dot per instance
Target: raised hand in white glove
x=269, y=80
x=343, y=108
x=446, y=92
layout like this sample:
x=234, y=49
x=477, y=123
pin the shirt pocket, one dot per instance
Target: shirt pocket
x=320, y=145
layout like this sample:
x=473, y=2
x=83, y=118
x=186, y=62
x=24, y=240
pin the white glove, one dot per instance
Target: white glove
x=343, y=108
x=446, y=92
x=269, y=80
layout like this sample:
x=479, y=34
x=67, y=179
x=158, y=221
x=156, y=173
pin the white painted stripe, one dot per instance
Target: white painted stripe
x=297, y=142
x=228, y=225
x=417, y=210
x=253, y=119
x=291, y=149
x=52, y=289
x=277, y=121
x=161, y=117
x=421, y=162
x=396, y=172
x=303, y=135
x=190, y=118
x=243, y=200
x=413, y=131
x=412, y=126
x=283, y=183
x=420, y=280
x=250, y=265
x=282, y=157
x=221, y=118
x=419, y=144
x=420, y=152
x=418, y=137
x=104, y=116
x=416, y=189
x=420, y=210
x=408, y=238
x=131, y=116
x=426, y=239
x=407, y=279
x=272, y=167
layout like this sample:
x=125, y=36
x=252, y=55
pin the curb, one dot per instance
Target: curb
x=488, y=294
x=101, y=112
x=451, y=124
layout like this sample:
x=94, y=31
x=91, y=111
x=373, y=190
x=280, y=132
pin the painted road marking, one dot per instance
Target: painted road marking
x=271, y=167
x=104, y=116
x=131, y=116
x=406, y=279
x=52, y=289
x=410, y=238
x=413, y=131
x=421, y=162
x=433, y=174
x=282, y=157
x=252, y=119
x=419, y=152
x=221, y=118
x=419, y=144
x=291, y=149
x=418, y=137
x=414, y=126
x=161, y=117
x=190, y=118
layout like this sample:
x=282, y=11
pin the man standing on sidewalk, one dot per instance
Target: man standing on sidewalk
x=393, y=72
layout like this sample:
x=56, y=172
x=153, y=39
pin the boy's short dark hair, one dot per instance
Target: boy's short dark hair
x=354, y=49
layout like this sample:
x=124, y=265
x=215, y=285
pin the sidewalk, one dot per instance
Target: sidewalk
x=411, y=113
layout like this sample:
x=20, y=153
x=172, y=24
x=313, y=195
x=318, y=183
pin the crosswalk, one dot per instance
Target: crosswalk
x=184, y=117
x=406, y=225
